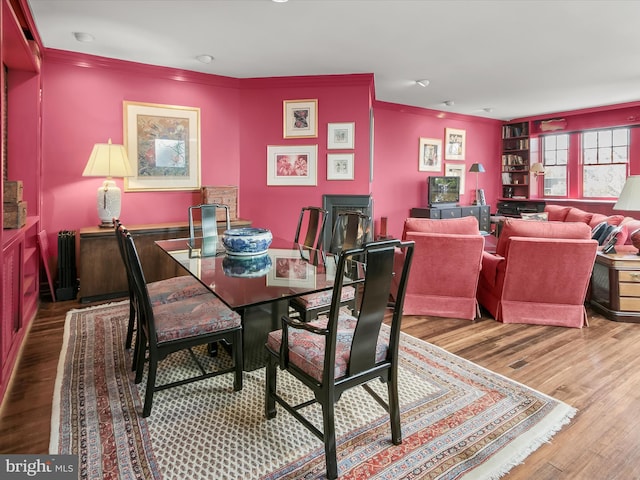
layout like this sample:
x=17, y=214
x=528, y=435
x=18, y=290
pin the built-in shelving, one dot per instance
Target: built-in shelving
x=515, y=160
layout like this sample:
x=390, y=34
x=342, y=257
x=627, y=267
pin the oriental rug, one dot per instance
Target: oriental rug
x=459, y=420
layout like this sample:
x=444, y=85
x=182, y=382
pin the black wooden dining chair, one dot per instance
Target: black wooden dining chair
x=311, y=224
x=208, y=220
x=344, y=351
x=349, y=232
x=168, y=328
x=161, y=291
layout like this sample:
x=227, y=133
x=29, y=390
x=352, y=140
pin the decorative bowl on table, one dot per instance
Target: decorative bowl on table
x=246, y=241
x=246, y=267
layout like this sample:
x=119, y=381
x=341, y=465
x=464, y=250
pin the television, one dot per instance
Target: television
x=443, y=191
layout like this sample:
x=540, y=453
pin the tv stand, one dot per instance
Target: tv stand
x=481, y=212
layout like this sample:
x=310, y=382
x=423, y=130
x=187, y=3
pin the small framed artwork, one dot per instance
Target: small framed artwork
x=430, y=155
x=300, y=118
x=340, y=166
x=163, y=146
x=292, y=165
x=455, y=170
x=454, y=144
x=340, y=136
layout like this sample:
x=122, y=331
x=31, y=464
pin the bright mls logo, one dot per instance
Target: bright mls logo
x=51, y=467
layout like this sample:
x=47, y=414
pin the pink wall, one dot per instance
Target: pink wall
x=83, y=105
x=341, y=98
x=398, y=185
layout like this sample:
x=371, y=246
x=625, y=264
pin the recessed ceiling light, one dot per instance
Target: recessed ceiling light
x=279, y=1
x=204, y=58
x=83, y=37
x=448, y=103
x=423, y=83
x=488, y=109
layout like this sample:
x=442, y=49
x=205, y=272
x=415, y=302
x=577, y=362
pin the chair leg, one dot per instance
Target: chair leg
x=270, y=388
x=132, y=320
x=141, y=351
x=394, y=409
x=237, y=360
x=151, y=383
x=330, y=455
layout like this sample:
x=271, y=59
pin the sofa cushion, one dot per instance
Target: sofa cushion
x=598, y=218
x=556, y=212
x=464, y=225
x=515, y=227
x=577, y=215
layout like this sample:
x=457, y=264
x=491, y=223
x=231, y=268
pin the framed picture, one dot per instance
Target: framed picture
x=454, y=144
x=300, y=118
x=163, y=145
x=340, y=136
x=456, y=170
x=290, y=269
x=430, y=155
x=292, y=165
x=340, y=166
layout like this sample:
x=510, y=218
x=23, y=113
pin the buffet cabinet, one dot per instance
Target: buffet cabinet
x=481, y=212
x=100, y=268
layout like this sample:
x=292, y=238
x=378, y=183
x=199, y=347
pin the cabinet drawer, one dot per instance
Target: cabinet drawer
x=629, y=276
x=450, y=213
x=629, y=289
x=630, y=304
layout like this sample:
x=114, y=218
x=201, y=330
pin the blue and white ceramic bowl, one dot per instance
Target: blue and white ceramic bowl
x=246, y=267
x=246, y=241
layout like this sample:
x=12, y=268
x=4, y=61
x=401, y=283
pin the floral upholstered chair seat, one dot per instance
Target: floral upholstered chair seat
x=306, y=349
x=192, y=317
x=315, y=300
x=174, y=289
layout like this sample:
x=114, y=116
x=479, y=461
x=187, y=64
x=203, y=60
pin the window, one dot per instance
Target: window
x=605, y=159
x=555, y=156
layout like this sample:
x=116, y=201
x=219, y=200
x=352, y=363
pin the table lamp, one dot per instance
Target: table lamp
x=478, y=169
x=108, y=160
x=629, y=200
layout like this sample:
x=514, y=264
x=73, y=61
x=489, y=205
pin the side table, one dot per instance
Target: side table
x=615, y=286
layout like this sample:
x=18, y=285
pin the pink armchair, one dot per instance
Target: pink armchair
x=539, y=274
x=445, y=269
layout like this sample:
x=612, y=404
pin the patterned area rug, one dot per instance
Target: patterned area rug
x=458, y=420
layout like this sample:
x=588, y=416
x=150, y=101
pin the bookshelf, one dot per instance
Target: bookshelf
x=515, y=160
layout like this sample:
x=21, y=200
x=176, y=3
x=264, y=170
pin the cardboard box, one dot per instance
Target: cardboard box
x=12, y=192
x=227, y=195
x=14, y=215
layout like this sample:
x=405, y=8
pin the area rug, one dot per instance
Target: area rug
x=459, y=420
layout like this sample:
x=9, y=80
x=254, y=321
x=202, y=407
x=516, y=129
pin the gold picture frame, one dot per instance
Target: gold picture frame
x=300, y=118
x=163, y=145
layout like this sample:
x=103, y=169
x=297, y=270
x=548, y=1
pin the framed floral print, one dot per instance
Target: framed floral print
x=292, y=165
x=300, y=118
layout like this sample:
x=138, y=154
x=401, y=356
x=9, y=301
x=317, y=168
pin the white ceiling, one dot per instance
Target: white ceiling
x=513, y=58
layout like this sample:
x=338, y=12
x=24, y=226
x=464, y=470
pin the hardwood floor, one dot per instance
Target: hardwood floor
x=595, y=369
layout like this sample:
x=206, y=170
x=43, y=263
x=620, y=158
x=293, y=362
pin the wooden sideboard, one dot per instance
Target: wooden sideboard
x=100, y=268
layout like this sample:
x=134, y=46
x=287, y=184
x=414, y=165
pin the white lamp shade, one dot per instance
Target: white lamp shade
x=108, y=160
x=629, y=198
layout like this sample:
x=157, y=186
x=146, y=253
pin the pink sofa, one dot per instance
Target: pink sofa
x=558, y=213
x=539, y=274
x=446, y=266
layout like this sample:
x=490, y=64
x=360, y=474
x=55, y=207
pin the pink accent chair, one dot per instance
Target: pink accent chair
x=539, y=274
x=446, y=266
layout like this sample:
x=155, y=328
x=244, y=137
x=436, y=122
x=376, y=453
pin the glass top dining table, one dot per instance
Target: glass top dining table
x=257, y=287
x=287, y=270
